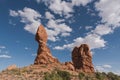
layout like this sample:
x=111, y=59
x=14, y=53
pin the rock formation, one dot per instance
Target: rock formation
x=81, y=56
x=11, y=67
x=82, y=59
x=44, y=55
x=70, y=66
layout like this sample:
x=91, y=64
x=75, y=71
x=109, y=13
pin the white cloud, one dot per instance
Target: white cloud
x=88, y=27
x=26, y=48
x=5, y=56
x=13, y=13
x=65, y=34
x=34, y=54
x=49, y=15
x=59, y=48
x=107, y=66
x=109, y=11
x=93, y=40
x=103, y=68
x=38, y=1
x=80, y=2
x=62, y=7
x=2, y=47
x=99, y=68
x=30, y=17
x=56, y=27
x=10, y=22
x=102, y=30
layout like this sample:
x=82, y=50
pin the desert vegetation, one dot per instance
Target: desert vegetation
x=32, y=73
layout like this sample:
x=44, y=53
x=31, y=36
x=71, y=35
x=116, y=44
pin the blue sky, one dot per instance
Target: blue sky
x=68, y=23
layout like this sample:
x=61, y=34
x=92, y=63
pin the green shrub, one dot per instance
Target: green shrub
x=112, y=76
x=88, y=78
x=64, y=75
x=81, y=75
x=52, y=76
x=57, y=75
x=100, y=76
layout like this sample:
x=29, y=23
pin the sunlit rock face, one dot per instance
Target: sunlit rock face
x=82, y=59
x=44, y=55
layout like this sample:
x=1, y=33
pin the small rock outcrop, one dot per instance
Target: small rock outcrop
x=69, y=66
x=44, y=55
x=11, y=67
x=82, y=59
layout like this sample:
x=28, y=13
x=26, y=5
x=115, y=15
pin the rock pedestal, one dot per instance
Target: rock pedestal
x=44, y=55
x=82, y=59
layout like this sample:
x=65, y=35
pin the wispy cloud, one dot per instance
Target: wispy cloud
x=63, y=8
x=34, y=54
x=26, y=48
x=109, y=10
x=110, y=20
x=93, y=40
x=5, y=56
x=55, y=28
x=30, y=17
x=2, y=47
x=103, y=68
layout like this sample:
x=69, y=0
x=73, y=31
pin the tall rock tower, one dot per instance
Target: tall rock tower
x=44, y=55
x=82, y=59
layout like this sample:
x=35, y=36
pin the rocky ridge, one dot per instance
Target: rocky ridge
x=46, y=63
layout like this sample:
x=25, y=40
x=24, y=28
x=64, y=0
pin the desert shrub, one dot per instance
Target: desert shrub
x=15, y=72
x=100, y=76
x=52, y=76
x=64, y=75
x=112, y=76
x=81, y=75
x=57, y=75
x=88, y=78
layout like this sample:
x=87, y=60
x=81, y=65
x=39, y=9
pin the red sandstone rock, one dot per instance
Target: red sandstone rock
x=82, y=59
x=70, y=66
x=44, y=55
x=11, y=67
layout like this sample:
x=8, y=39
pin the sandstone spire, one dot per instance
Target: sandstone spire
x=44, y=55
x=82, y=59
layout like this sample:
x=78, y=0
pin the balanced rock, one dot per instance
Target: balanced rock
x=82, y=59
x=44, y=55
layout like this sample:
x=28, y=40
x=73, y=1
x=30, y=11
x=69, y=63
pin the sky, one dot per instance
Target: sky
x=69, y=23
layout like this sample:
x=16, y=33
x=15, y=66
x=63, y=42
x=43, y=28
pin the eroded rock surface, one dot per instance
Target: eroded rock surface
x=82, y=59
x=70, y=66
x=44, y=55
